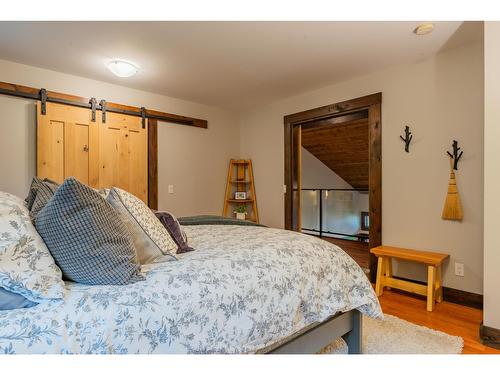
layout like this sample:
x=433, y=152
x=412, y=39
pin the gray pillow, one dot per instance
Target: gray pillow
x=11, y=301
x=35, y=184
x=32, y=192
x=86, y=237
x=44, y=192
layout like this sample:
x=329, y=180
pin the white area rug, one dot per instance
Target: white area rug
x=397, y=336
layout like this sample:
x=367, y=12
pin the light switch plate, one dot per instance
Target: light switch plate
x=171, y=189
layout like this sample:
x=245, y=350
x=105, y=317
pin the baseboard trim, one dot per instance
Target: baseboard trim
x=489, y=336
x=460, y=297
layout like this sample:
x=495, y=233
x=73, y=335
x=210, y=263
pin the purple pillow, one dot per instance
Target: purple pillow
x=174, y=229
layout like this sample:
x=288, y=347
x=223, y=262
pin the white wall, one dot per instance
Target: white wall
x=491, y=174
x=441, y=99
x=194, y=160
x=316, y=175
x=17, y=144
x=196, y=163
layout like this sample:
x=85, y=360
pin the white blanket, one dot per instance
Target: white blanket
x=241, y=290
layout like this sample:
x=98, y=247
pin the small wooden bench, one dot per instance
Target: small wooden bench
x=434, y=288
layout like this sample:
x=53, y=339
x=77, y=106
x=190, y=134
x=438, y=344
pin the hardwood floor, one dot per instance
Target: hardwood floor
x=357, y=250
x=447, y=317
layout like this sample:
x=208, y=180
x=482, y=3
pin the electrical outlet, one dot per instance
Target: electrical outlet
x=171, y=189
x=284, y=189
x=459, y=269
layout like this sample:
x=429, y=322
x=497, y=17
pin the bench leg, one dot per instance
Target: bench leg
x=431, y=277
x=379, y=286
x=388, y=268
x=439, y=284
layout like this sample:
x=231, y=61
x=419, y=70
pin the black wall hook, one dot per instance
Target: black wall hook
x=456, y=155
x=407, y=139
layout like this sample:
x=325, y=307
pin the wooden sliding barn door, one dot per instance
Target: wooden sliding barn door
x=101, y=154
x=123, y=154
x=67, y=144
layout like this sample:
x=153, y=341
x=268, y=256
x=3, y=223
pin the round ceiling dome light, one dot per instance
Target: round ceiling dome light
x=424, y=28
x=122, y=68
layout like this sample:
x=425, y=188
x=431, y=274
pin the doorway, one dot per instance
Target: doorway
x=346, y=138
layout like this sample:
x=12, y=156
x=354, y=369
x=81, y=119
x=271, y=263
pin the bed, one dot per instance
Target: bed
x=244, y=290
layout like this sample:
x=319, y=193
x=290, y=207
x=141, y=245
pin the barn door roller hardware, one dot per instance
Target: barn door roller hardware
x=43, y=100
x=45, y=96
x=102, y=104
x=93, y=108
x=456, y=154
x=407, y=139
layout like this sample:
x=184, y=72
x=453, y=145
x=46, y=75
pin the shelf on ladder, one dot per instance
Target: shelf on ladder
x=241, y=174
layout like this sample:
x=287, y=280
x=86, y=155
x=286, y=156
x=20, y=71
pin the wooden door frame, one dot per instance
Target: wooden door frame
x=373, y=104
x=153, y=164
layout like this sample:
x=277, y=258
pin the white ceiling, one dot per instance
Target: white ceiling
x=235, y=65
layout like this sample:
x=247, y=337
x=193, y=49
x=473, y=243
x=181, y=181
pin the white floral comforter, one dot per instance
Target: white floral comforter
x=241, y=290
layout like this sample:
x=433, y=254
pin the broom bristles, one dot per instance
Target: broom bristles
x=452, y=209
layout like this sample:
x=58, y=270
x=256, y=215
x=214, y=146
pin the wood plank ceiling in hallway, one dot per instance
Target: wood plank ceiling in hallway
x=342, y=147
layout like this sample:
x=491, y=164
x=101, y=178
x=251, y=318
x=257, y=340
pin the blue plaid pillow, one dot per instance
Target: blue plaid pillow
x=86, y=237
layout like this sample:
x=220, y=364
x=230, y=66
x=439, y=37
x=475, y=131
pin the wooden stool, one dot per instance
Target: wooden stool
x=434, y=288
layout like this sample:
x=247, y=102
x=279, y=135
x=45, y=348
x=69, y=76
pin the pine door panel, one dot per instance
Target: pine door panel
x=100, y=154
x=67, y=144
x=124, y=154
x=109, y=156
x=138, y=163
x=50, y=149
x=77, y=152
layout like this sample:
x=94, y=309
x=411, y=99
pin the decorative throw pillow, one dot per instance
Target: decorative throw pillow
x=35, y=183
x=171, y=224
x=11, y=301
x=32, y=192
x=26, y=266
x=86, y=237
x=44, y=192
x=104, y=192
x=149, y=234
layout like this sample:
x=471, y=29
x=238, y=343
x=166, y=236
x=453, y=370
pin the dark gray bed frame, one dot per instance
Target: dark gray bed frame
x=315, y=337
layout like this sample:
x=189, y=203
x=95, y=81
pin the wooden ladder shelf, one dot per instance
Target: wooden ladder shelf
x=240, y=179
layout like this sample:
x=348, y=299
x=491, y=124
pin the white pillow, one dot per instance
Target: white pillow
x=26, y=266
x=151, y=238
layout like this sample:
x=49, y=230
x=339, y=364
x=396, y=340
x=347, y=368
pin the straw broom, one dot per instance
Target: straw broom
x=452, y=209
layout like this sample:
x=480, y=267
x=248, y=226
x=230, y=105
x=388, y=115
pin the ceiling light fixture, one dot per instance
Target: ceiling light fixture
x=123, y=69
x=424, y=28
